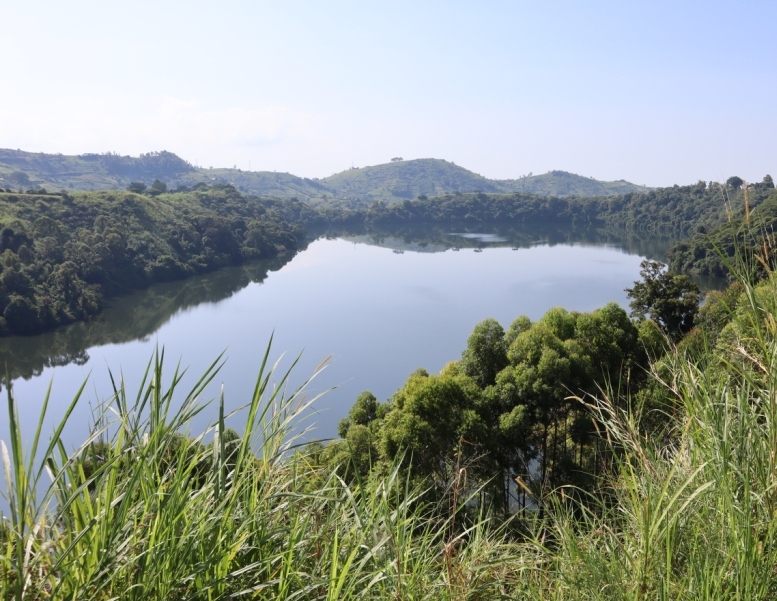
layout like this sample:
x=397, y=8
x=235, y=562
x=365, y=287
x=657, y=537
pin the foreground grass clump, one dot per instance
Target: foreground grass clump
x=690, y=515
x=145, y=510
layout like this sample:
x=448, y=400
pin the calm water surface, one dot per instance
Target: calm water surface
x=379, y=313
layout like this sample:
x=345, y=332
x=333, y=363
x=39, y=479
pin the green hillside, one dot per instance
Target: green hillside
x=108, y=171
x=354, y=188
x=562, y=183
x=62, y=256
x=261, y=183
x=403, y=180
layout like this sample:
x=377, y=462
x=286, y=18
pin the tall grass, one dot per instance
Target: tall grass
x=145, y=509
x=692, y=518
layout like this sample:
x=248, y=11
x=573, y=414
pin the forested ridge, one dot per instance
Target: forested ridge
x=747, y=234
x=676, y=210
x=355, y=188
x=63, y=255
x=513, y=407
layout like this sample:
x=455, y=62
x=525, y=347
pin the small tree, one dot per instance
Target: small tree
x=137, y=187
x=735, y=182
x=671, y=300
x=157, y=187
x=486, y=353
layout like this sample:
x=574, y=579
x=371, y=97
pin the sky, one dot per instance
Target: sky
x=656, y=93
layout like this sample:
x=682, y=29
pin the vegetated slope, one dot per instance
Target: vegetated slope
x=61, y=256
x=131, y=318
x=108, y=171
x=354, y=188
x=641, y=472
x=562, y=183
x=269, y=184
x=745, y=236
x=674, y=211
x=669, y=471
x=401, y=180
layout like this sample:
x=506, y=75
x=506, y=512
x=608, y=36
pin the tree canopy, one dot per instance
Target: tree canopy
x=671, y=300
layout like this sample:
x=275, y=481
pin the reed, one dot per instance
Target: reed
x=145, y=509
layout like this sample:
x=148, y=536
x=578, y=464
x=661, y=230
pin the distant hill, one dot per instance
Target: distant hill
x=357, y=187
x=561, y=183
x=19, y=169
x=406, y=180
x=262, y=183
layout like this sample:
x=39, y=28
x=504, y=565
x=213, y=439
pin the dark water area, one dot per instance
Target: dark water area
x=380, y=305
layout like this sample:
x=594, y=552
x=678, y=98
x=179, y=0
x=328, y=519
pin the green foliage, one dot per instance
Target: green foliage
x=562, y=183
x=744, y=239
x=430, y=415
x=137, y=187
x=486, y=353
x=670, y=300
x=393, y=182
x=157, y=187
x=506, y=410
x=399, y=181
x=131, y=317
x=690, y=515
x=62, y=256
x=140, y=511
x=409, y=504
x=734, y=182
x=674, y=211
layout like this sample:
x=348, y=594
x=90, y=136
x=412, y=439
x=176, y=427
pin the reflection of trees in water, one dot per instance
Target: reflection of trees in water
x=127, y=318
x=142, y=313
x=439, y=238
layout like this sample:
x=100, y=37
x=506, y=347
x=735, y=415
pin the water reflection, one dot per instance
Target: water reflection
x=141, y=314
x=443, y=238
x=480, y=237
x=132, y=317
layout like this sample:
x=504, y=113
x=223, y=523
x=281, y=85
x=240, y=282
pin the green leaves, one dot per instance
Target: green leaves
x=486, y=353
x=670, y=300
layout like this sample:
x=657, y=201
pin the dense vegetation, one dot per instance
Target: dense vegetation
x=131, y=317
x=678, y=210
x=710, y=252
x=21, y=170
x=509, y=411
x=62, y=255
x=581, y=456
x=354, y=188
x=562, y=183
x=655, y=484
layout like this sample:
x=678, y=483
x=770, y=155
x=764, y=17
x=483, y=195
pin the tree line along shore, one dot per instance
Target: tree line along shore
x=62, y=256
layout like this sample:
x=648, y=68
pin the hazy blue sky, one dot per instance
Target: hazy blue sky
x=655, y=92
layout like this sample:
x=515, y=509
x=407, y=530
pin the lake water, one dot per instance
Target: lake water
x=380, y=307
